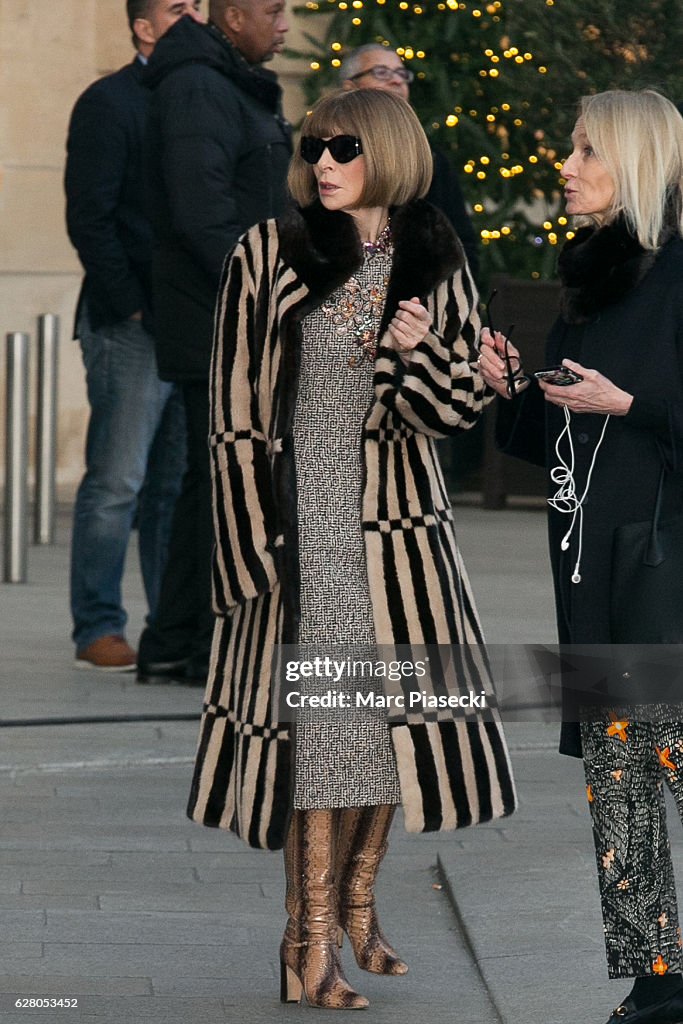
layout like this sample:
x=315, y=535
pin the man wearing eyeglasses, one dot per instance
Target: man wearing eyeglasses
x=377, y=67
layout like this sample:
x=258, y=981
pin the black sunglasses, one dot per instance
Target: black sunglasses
x=513, y=366
x=343, y=148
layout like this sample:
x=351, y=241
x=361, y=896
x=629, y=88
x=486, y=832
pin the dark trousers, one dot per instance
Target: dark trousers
x=627, y=762
x=183, y=624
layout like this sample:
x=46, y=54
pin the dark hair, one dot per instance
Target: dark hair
x=137, y=9
x=217, y=10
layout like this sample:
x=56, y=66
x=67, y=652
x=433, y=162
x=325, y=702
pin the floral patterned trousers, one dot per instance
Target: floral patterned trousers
x=626, y=762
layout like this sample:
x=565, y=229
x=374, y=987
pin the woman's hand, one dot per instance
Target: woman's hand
x=409, y=327
x=492, y=365
x=594, y=393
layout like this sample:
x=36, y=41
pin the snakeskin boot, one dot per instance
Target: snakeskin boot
x=363, y=833
x=309, y=955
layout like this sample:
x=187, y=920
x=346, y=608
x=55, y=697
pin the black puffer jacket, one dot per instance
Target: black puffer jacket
x=217, y=152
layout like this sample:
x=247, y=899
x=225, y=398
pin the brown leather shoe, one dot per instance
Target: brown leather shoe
x=107, y=654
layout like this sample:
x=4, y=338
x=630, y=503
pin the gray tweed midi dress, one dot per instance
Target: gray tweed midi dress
x=343, y=757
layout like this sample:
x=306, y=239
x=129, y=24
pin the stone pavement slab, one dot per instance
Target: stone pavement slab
x=108, y=893
x=192, y=935
x=532, y=918
x=38, y=677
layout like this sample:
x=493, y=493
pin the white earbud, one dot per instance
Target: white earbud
x=565, y=500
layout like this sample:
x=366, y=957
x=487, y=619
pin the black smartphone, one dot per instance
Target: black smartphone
x=561, y=376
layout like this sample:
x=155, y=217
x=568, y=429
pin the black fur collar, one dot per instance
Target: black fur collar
x=598, y=267
x=324, y=249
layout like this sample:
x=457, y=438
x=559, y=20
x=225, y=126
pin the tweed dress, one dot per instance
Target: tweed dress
x=343, y=757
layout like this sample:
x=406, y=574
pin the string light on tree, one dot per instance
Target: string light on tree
x=498, y=79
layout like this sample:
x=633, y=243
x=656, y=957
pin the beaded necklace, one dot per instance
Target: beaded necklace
x=356, y=308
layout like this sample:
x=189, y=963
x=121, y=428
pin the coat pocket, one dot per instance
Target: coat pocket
x=646, y=594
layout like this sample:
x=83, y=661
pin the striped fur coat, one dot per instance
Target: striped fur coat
x=452, y=773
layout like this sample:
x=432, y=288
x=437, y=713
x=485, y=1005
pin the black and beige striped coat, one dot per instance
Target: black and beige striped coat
x=452, y=772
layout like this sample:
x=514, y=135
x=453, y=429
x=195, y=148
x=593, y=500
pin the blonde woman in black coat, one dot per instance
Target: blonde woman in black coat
x=610, y=438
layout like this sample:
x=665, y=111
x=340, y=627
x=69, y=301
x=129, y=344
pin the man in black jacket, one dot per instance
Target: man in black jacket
x=135, y=443
x=374, y=66
x=218, y=150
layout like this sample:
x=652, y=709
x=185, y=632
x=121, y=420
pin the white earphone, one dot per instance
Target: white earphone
x=565, y=500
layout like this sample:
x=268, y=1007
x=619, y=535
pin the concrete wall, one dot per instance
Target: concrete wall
x=50, y=50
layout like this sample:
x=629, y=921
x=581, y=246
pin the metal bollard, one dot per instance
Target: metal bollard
x=46, y=429
x=16, y=460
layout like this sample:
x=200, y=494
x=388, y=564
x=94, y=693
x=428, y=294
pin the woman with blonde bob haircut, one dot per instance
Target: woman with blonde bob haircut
x=608, y=424
x=345, y=344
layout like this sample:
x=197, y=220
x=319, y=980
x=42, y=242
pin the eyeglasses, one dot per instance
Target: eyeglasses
x=343, y=148
x=513, y=366
x=382, y=73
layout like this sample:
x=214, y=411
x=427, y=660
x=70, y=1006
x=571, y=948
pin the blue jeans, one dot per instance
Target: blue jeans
x=183, y=625
x=135, y=459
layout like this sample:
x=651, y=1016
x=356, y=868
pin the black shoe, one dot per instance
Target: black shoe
x=668, y=1011
x=155, y=672
x=196, y=674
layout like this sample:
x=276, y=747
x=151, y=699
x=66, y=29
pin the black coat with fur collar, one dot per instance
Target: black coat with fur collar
x=622, y=314
x=451, y=774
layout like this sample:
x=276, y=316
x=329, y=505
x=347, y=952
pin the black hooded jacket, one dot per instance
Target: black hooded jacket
x=217, y=153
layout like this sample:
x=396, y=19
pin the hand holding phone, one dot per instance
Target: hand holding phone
x=560, y=376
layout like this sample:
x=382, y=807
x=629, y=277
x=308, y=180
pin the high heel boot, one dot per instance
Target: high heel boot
x=292, y=852
x=363, y=833
x=309, y=964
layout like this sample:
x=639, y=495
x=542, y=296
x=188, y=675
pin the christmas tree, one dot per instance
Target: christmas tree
x=497, y=86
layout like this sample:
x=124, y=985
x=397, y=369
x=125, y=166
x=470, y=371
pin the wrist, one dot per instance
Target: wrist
x=623, y=404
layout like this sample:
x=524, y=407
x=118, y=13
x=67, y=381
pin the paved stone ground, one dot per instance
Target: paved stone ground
x=109, y=895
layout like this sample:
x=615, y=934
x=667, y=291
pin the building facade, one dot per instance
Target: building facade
x=50, y=50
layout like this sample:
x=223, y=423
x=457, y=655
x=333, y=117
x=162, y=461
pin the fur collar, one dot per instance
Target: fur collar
x=324, y=249
x=598, y=268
